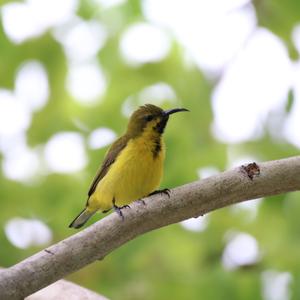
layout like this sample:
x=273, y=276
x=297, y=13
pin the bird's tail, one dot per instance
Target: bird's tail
x=82, y=218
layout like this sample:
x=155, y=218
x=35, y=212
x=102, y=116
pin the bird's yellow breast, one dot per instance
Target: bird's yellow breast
x=136, y=173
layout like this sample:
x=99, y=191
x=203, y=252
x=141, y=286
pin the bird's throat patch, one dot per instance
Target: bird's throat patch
x=156, y=147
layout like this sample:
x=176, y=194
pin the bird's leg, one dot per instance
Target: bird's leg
x=163, y=191
x=118, y=209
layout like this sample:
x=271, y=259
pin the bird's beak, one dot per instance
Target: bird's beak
x=173, y=111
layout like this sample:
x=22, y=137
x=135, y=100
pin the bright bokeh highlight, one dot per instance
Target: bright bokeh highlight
x=101, y=137
x=65, y=153
x=195, y=224
x=14, y=117
x=31, y=18
x=31, y=85
x=25, y=233
x=241, y=250
x=143, y=43
x=80, y=39
x=212, y=32
x=86, y=82
x=276, y=285
x=253, y=86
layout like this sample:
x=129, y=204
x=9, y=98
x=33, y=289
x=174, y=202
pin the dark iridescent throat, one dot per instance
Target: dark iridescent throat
x=159, y=127
x=156, y=147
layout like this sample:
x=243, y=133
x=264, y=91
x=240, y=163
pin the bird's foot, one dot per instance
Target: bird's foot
x=163, y=191
x=118, y=210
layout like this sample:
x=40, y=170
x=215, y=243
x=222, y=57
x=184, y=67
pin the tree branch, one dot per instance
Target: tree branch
x=64, y=290
x=190, y=200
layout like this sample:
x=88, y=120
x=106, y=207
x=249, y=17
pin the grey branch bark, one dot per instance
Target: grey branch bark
x=190, y=200
x=65, y=290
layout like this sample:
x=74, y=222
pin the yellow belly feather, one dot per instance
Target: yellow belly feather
x=135, y=174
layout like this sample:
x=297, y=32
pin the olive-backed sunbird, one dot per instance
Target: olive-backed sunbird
x=133, y=166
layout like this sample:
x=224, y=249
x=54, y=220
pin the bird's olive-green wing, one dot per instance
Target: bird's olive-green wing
x=109, y=159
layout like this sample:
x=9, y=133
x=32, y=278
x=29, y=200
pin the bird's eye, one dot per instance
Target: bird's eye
x=149, y=118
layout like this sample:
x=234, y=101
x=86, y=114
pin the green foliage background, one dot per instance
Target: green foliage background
x=170, y=263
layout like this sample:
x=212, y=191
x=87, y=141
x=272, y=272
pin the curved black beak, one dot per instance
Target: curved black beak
x=174, y=110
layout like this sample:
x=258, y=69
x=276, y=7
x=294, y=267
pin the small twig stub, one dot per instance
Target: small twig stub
x=251, y=170
x=48, y=251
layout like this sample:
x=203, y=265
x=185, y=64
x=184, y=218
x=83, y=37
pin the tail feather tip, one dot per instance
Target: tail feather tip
x=81, y=219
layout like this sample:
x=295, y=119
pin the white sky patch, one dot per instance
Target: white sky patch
x=156, y=94
x=21, y=163
x=65, y=153
x=255, y=84
x=195, y=224
x=292, y=122
x=31, y=18
x=276, y=285
x=86, y=82
x=143, y=43
x=25, y=233
x=31, y=85
x=101, y=137
x=81, y=39
x=207, y=171
x=241, y=250
x=14, y=117
x=212, y=31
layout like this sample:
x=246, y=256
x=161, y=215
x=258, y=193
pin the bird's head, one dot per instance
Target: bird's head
x=150, y=119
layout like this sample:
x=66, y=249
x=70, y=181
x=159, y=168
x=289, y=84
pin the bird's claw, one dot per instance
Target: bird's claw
x=124, y=206
x=118, y=210
x=163, y=191
x=141, y=201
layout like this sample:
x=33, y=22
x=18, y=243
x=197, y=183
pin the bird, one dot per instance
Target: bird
x=133, y=166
